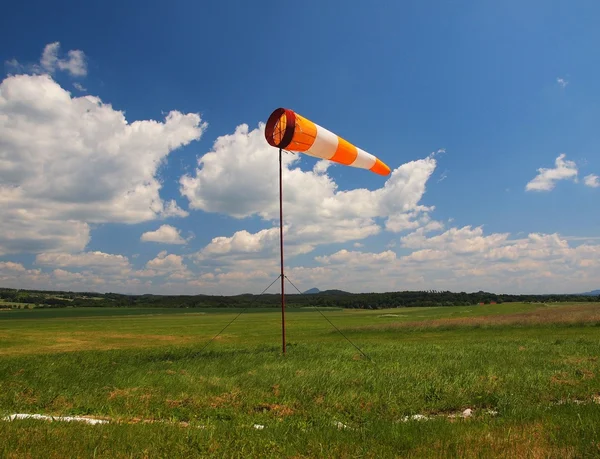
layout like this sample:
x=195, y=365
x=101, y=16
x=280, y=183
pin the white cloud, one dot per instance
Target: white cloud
x=547, y=178
x=37, y=230
x=171, y=209
x=562, y=82
x=166, y=262
x=169, y=264
x=15, y=275
x=242, y=242
x=457, y=240
x=321, y=166
x=70, y=161
x=91, y=260
x=79, y=87
x=11, y=266
x=357, y=259
x=166, y=234
x=75, y=64
x=592, y=180
x=412, y=220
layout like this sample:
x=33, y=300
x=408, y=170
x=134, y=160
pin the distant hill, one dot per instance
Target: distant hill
x=592, y=293
x=315, y=290
x=334, y=292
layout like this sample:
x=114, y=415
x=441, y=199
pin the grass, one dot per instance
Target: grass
x=145, y=371
x=579, y=315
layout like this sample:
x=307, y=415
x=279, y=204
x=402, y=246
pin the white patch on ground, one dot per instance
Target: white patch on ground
x=594, y=399
x=415, y=417
x=464, y=414
x=42, y=417
x=259, y=426
x=341, y=425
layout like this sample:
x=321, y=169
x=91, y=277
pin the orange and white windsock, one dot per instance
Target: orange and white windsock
x=289, y=131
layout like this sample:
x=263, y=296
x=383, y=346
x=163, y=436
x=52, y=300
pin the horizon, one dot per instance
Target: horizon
x=136, y=161
x=434, y=292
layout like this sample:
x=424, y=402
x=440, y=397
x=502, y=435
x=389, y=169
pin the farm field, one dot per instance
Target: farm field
x=528, y=373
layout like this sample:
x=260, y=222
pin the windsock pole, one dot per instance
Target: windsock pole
x=281, y=252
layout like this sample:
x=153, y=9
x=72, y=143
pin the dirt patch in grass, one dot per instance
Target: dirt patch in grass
x=275, y=408
x=225, y=399
x=584, y=373
x=27, y=396
x=275, y=389
x=562, y=378
x=588, y=314
x=182, y=403
x=574, y=360
x=61, y=404
x=120, y=393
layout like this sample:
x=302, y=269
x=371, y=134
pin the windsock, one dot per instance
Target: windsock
x=287, y=130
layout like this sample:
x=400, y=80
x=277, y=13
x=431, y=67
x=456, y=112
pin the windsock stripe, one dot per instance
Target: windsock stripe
x=325, y=145
x=380, y=168
x=346, y=153
x=364, y=160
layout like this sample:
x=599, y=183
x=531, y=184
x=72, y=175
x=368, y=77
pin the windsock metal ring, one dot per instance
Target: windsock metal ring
x=286, y=129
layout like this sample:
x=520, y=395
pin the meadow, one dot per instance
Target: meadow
x=507, y=380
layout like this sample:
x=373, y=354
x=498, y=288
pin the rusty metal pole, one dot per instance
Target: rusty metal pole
x=281, y=252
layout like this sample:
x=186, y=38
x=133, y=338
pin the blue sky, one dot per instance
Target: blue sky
x=468, y=102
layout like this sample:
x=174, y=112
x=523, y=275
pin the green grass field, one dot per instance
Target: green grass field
x=529, y=373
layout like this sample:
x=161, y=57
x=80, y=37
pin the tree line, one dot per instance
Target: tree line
x=332, y=298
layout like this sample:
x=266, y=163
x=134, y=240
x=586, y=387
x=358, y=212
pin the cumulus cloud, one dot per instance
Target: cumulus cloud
x=547, y=178
x=11, y=266
x=562, y=82
x=353, y=258
x=239, y=177
x=91, y=260
x=419, y=218
x=170, y=265
x=242, y=242
x=83, y=271
x=70, y=161
x=166, y=234
x=592, y=181
x=15, y=275
x=79, y=87
x=538, y=263
x=99, y=271
x=75, y=64
x=457, y=240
